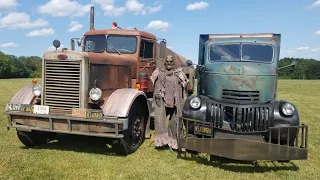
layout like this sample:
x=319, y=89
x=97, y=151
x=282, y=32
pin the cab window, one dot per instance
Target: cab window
x=146, y=50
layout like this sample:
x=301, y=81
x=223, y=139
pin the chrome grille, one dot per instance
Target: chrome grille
x=239, y=119
x=62, y=85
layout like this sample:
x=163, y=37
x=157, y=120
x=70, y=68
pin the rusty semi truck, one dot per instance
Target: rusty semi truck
x=235, y=113
x=102, y=91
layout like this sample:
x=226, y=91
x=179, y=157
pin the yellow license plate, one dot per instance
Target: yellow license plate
x=26, y=108
x=201, y=129
x=78, y=112
x=95, y=115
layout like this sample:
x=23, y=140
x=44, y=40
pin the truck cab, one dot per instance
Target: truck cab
x=236, y=100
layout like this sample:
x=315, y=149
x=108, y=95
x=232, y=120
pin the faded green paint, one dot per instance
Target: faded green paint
x=244, y=76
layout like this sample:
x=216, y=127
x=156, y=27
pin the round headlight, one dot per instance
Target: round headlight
x=36, y=90
x=288, y=109
x=95, y=94
x=195, y=103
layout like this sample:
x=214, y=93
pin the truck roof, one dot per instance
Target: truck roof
x=121, y=32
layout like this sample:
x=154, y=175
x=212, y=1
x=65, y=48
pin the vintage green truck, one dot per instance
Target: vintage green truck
x=235, y=113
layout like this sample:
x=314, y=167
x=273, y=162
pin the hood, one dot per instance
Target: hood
x=242, y=84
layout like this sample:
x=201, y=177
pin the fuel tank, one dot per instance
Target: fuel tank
x=239, y=83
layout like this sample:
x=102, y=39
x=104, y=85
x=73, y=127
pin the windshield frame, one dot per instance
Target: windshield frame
x=241, y=58
x=115, y=50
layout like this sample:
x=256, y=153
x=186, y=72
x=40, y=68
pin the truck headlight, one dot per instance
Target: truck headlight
x=95, y=94
x=195, y=103
x=287, y=109
x=36, y=90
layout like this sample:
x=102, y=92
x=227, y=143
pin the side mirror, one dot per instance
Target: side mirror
x=189, y=62
x=79, y=41
x=293, y=63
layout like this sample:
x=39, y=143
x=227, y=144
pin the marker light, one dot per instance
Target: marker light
x=34, y=81
x=138, y=86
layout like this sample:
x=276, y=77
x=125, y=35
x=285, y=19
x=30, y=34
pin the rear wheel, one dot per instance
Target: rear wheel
x=135, y=134
x=35, y=138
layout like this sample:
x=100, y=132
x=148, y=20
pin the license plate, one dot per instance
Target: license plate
x=202, y=129
x=94, y=114
x=26, y=108
x=39, y=109
x=13, y=107
x=87, y=113
x=78, y=112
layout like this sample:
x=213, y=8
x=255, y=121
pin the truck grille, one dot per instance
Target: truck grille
x=239, y=119
x=241, y=97
x=62, y=85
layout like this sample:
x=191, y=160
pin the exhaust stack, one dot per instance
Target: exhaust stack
x=91, y=18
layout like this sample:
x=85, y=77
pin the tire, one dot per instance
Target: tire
x=134, y=136
x=34, y=138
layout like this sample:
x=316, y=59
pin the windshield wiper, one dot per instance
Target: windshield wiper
x=114, y=48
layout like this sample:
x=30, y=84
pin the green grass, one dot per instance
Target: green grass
x=83, y=158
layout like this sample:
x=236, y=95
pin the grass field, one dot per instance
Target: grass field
x=83, y=158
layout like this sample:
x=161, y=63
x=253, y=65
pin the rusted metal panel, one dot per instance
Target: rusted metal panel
x=23, y=96
x=120, y=101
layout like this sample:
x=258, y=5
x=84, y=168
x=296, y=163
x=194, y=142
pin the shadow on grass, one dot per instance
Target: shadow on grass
x=241, y=166
x=86, y=144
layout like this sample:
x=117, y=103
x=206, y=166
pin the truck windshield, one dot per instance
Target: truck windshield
x=124, y=44
x=111, y=43
x=241, y=52
x=95, y=43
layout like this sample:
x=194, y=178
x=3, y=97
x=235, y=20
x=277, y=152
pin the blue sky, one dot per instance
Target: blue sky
x=28, y=27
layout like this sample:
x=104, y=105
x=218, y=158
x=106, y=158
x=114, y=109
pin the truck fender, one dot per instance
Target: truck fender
x=120, y=101
x=23, y=96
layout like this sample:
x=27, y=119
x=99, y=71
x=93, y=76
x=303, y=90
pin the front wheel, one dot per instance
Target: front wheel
x=35, y=138
x=134, y=136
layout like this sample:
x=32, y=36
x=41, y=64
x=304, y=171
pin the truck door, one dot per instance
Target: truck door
x=147, y=63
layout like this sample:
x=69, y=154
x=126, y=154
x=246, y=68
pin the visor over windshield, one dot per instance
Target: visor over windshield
x=241, y=52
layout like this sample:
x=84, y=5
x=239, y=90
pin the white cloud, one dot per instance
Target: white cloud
x=41, y=32
x=132, y=6
x=299, y=50
x=75, y=26
x=7, y=5
x=9, y=45
x=318, y=32
x=158, y=25
x=197, y=6
x=17, y=20
x=316, y=4
x=151, y=10
x=315, y=49
x=59, y=8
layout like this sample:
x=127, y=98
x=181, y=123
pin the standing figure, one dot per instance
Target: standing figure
x=170, y=92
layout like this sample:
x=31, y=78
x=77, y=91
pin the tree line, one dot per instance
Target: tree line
x=30, y=67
